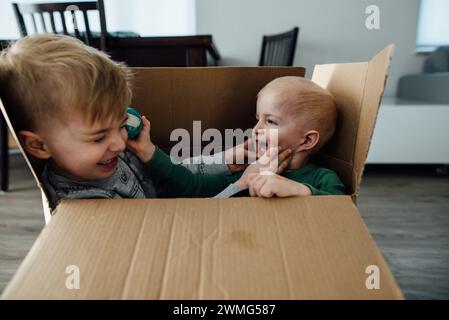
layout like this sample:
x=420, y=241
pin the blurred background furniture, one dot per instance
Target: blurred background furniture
x=40, y=9
x=126, y=46
x=410, y=132
x=279, y=49
x=432, y=84
x=412, y=128
x=183, y=51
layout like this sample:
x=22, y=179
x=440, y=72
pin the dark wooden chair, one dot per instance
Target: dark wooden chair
x=52, y=9
x=279, y=49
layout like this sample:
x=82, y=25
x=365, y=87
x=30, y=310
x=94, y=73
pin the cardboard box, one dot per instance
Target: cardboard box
x=241, y=248
x=12, y=144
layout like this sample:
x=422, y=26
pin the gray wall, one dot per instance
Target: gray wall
x=331, y=31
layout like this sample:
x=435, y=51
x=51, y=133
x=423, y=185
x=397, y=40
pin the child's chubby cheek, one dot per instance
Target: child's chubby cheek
x=291, y=137
x=124, y=135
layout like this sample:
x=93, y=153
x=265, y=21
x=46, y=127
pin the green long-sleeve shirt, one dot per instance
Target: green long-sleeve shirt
x=173, y=180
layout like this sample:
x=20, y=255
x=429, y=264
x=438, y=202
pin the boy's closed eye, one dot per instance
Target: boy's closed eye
x=98, y=140
x=101, y=135
x=272, y=122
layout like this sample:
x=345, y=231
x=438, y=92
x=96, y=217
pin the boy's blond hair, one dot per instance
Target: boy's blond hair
x=43, y=77
x=306, y=99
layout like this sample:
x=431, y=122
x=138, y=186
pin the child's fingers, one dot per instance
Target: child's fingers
x=283, y=165
x=283, y=160
x=145, y=132
x=277, y=152
x=251, y=176
x=131, y=145
x=255, y=185
x=250, y=156
x=259, y=184
x=284, y=155
x=268, y=156
x=268, y=162
x=251, y=189
x=266, y=191
x=146, y=123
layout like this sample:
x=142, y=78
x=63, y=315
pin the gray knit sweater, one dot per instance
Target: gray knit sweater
x=131, y=180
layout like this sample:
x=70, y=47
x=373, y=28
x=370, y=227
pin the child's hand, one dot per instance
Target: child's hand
x=237, y=158
x=268, y=186
x=142, y=147
x=274, y=161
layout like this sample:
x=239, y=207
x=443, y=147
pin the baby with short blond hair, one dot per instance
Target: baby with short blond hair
x=304, y=117
x=301, y=114
x=305, y=98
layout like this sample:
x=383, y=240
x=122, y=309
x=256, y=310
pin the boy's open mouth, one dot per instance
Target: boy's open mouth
x=108, y=164
x=261, y=147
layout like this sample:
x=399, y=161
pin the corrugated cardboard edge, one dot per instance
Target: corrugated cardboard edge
x=374, y=82
x=378, y=66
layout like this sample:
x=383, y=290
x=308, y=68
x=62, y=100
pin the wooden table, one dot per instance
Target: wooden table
x=187, y=51
x=175, y=51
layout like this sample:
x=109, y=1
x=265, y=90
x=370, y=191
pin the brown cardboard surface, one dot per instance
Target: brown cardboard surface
x=311, y=247
x=222, y=98
x=11, y=141
x=297, y=248
x=357, y=88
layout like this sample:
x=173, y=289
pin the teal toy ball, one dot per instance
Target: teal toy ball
x=134, y=124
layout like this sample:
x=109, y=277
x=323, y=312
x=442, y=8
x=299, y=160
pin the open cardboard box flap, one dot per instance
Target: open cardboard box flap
x=245, y=248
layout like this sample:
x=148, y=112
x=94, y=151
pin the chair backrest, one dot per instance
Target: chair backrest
x=52, y=9
x=279, y=49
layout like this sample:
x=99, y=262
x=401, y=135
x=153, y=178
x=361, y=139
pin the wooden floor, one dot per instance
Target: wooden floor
x=407, y=213
x=21, y=218
x=405, y=209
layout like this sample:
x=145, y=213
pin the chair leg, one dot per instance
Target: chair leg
x=4, y=156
